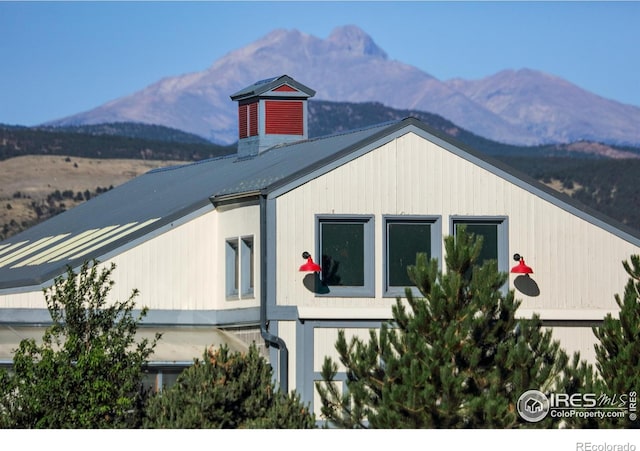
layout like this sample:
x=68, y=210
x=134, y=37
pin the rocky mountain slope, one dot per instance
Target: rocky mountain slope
x=524, y=107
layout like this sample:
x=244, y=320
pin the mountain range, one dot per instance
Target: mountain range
x=520, y=107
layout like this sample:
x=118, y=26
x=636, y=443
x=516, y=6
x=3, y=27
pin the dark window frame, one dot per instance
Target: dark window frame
x=368, y=223
x=435, y=223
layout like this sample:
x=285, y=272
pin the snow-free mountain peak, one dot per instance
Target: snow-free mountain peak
x=523, y=107
x=354, y=40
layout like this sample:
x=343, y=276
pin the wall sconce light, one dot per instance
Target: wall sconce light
x=521, y=267
x=310, y=265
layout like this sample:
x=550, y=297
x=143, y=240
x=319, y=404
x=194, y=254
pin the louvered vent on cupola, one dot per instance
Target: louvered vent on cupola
x=271, y=112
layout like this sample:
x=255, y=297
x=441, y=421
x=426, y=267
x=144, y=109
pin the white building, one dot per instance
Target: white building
x=215, y=246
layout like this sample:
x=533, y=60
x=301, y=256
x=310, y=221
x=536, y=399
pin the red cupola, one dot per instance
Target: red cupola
x=271, y=112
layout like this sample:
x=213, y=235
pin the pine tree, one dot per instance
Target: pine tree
x=618, y=347
x=88, y=371
x=227, y=390
x=456, y=358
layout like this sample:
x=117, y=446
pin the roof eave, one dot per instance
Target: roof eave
x=224, y=199
x=260, y=88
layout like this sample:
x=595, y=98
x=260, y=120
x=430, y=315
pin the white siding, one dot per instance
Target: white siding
x=180, y=269
x=324, y=341
x=236, y=222
x=324, y=344
x=30, y=299
x=170, y=270
x=572, y=339
x=577, y=339
x=577, y=264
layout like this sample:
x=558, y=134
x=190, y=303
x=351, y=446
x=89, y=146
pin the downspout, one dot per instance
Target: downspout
x=271, y=339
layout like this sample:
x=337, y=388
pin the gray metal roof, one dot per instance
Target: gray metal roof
x=145, y=205
x=266, y=85
x=150, y=202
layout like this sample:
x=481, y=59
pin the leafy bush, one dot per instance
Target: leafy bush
x=87, y=373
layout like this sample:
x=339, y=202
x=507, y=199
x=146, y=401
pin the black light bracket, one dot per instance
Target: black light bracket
x=517, y=257
x=306, y=254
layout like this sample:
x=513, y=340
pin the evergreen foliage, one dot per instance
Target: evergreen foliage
x=88, y=370
x=618, y=345
x=608, y=186
x=227, y=390
x=457, y=358
x=125, y=140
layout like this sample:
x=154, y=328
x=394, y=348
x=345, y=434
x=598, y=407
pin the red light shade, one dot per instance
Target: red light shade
x=310, y=266
x=521, y=267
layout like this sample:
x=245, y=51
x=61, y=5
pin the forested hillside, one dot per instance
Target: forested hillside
x=604, y=178
x=326, y=118
x=610, y=186
x=108, y=141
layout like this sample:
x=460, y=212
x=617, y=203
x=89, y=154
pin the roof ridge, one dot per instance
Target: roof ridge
x=193, y=163
x=333, y=135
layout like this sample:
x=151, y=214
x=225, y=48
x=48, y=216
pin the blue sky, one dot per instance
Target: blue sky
x=61, y=58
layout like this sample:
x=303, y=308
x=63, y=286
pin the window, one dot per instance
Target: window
x=405, y=237
x=158, y=379
x=239, y=267
x=494, y=232
x=346, y=249
x=233, y=267
x=246, y=258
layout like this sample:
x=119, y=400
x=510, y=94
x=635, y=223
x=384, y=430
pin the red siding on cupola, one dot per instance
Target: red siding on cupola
x=285, y=88
x=271, y=112
x=284, y=117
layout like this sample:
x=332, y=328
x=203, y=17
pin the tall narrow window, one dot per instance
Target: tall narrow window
x=240, y=273
x=405, y=238
x=233, y=267
x=247, y=265
x=346, y=249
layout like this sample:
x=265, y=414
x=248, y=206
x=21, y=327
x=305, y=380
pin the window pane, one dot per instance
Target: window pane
x=169, y=377
x=490, y=243
x=405, y=240
x=342, y=253
x=232, y=267
x=251, y=265
x=150, y=381
x=247, y=265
